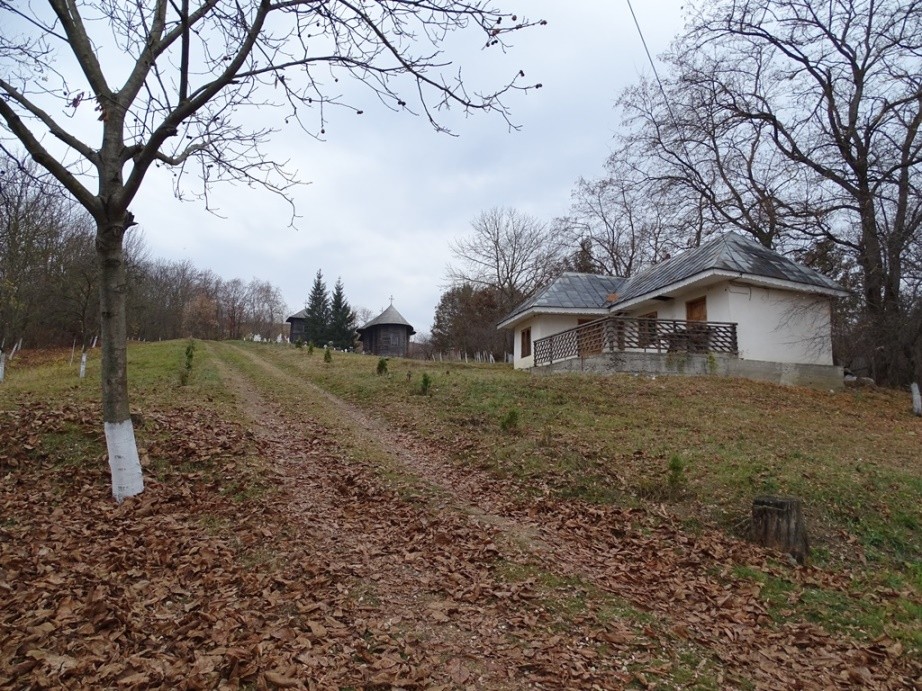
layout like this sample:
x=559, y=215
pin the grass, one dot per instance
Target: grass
x=703, y=447
x=711, y=444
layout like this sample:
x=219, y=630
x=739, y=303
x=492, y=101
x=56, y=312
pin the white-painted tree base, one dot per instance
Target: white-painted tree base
x=83, y=365
x=916, y=399
x=127, y=478
x=2, y=365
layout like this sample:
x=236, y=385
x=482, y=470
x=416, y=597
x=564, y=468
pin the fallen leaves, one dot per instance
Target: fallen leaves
x=337, y=578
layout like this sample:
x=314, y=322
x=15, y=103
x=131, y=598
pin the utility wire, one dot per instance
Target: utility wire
x=675, y=122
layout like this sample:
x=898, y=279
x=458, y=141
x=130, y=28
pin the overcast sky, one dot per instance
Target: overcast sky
x=387, y=193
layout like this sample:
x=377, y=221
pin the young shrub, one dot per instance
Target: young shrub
x=425, y=385
x=310, y=348
x=510, y=421
x=186, y=370
x=299, y=344
x=382, y=366
x=676, y=478
x=327, y=355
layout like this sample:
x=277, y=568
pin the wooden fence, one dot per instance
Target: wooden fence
x=618, y=334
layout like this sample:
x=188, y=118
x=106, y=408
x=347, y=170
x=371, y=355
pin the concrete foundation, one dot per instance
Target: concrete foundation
x=702, y=365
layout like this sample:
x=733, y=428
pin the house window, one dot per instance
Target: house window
x=526, y=342
x=646, y=330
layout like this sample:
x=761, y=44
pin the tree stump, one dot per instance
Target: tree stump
x=778, y=522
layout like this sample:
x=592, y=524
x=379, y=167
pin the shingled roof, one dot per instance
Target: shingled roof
x=298, y=315
x=388, y=317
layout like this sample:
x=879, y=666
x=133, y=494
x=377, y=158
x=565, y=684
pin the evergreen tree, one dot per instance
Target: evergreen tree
x=317, y=321
x=342, y=318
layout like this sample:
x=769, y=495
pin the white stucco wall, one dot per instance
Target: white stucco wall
x=781, y=326
x=718, y=305
x=542, y=325
x=772, y=324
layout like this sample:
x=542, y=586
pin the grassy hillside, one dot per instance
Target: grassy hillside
x=703, y=447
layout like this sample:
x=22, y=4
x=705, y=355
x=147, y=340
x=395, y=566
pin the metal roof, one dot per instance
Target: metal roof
x=388, y=316
x=730, y=252
x=572, y=291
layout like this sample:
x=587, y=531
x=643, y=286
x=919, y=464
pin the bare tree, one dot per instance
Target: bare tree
x=169, y=81
x=620, y=222
x=837, y=89
x=798, y=122
x=509, y=251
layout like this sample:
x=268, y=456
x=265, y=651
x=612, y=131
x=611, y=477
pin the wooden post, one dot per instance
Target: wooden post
x=778, y=522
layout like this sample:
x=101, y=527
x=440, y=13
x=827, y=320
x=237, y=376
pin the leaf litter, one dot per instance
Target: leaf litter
x=330, y=576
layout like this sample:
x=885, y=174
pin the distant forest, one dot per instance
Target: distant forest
x=49, y=285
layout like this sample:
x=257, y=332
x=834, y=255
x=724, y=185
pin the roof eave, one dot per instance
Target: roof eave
x=516, y=319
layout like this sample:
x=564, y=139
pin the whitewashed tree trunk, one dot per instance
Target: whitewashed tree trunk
x=124, y=464
x=2, y=365
x=916, y=399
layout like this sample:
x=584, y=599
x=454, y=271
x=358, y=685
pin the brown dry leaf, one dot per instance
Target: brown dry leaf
x=281, y=680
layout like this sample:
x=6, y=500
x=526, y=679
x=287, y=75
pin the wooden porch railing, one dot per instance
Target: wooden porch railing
x=618, y=334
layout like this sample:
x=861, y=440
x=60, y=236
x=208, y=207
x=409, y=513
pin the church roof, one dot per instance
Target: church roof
x=390, y=316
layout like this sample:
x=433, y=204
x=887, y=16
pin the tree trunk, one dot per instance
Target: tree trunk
x=778, y=522
x=124, y=464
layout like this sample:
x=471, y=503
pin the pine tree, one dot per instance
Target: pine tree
x=317, y=321
x=342, y=318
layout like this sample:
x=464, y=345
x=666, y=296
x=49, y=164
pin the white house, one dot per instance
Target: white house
x=729, y=307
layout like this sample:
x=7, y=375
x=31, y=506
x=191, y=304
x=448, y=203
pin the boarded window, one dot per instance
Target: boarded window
x=526, y=342
x=696, y=310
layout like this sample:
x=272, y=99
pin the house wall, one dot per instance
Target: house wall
x=772, y=325
x=297, y=330
x=541, y=326
x=781, y=326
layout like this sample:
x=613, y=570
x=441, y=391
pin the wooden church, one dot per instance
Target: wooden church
x=387, y=335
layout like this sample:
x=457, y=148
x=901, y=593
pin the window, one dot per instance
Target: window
x=526, y=342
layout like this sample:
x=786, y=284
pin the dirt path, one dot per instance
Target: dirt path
x=469, y=585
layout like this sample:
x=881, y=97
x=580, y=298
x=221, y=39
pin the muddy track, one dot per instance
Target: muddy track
x=434, y=560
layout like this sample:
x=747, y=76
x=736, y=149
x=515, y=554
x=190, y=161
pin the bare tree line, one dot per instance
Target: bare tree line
x=49, y=279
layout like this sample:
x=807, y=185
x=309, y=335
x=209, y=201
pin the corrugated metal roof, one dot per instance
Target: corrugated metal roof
x=730, y=252
x=388, y=316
